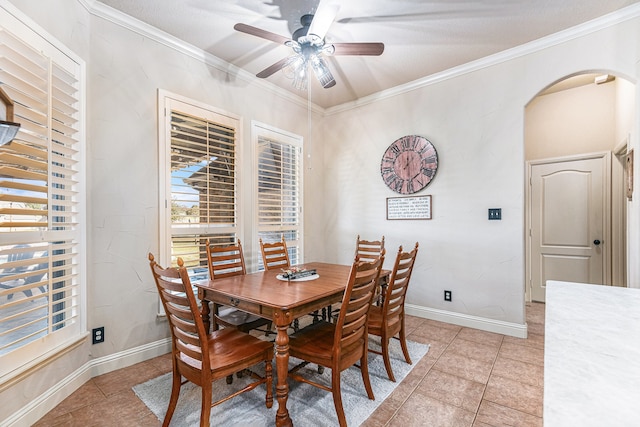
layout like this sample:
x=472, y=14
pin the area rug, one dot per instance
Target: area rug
x=308, y=406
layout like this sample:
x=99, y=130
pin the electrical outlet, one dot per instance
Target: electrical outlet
x=495, y=213
x=447, y=295
x=97, y=335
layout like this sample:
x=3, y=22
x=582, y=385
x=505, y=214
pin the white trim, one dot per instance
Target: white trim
x=485, y=324
x=48, y=400
x=99, y=9
x=116, y=17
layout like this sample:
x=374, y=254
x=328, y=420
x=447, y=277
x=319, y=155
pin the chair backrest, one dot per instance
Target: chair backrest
x=368, y=250
x=225, y=261
x=188, y=334
x=351, y=325
x=275, y=255
x=393, y=306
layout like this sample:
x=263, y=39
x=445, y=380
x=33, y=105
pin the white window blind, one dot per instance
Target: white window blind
x=201, y=166
x=279, y=189
x=40, y=172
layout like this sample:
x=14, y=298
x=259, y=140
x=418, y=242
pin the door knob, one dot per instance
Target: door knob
x=596, y=242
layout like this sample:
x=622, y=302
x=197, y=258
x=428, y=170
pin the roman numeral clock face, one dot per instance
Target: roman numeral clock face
x=409, y=164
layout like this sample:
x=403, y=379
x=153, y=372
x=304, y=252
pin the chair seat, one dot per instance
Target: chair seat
x=229, y=347
x=314, y=344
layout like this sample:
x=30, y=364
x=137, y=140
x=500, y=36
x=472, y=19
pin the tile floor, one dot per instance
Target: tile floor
x=468, y=378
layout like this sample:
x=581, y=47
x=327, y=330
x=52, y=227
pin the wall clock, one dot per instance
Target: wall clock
x=409, y=164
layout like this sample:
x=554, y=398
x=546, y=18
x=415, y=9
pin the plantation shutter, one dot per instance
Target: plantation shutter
x=279, y=158
x=40, y=172
x=203, y=184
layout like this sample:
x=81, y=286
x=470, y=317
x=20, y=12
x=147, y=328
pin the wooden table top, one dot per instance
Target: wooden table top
x=266, y=289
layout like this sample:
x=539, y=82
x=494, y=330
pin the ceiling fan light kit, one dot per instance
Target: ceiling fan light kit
x=309, y=47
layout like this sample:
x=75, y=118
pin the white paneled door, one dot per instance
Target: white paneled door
x=569, y=202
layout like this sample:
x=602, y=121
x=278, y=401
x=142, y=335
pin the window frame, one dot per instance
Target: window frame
x=261, y=130
x=29, y=356
x=167, y=102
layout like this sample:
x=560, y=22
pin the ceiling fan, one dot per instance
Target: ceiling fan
x=309, y=48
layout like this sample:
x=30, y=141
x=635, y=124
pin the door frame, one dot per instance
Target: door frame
x=607, y=233
x=619, y=204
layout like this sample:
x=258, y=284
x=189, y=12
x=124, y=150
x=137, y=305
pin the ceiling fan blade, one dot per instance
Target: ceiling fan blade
x=373, y=49
x=248, y=29
x=323, y=18
x=273, y=68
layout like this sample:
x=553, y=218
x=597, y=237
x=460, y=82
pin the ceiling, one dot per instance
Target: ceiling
x=421, y=37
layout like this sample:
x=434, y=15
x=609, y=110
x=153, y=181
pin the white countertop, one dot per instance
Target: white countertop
x=592, y=356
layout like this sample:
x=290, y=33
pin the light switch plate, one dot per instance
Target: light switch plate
x=495, y=213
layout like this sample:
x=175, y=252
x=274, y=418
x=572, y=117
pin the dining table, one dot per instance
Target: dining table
x=269, y=295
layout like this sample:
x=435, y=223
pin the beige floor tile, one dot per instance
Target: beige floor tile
x=123, y=379
x=52, y=420
x=515, y=395
x=464, y=367
x=535, y=312
x=523, y=353
x=436, y=348
x=161, y=363
x=474, y=350
x=483, y=337
x=516, y=370
x=491, y=414
x=535, y=328
x=86, y=395
x=532, y=340
x=420, y=411
x=452, y=389
x=435, y=333
x=412, y=322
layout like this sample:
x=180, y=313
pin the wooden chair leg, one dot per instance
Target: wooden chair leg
x=173, y=400
x=403, y=343
x=387, y=360
x=364, y=370
x=337, y=396
x=205, y=412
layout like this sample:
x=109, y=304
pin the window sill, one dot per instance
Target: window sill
x=38, y=363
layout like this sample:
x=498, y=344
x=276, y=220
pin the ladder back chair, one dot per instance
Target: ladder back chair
x=387, y=320
x=275, y=255
x=201, y=357
x=228, y=261
x=368, y=250
x=339, y=345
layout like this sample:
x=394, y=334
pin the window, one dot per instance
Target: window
x=279, y=188
x=199, y=160
x=41, y=193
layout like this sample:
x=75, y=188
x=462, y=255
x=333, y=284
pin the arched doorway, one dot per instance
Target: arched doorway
x=582, y=117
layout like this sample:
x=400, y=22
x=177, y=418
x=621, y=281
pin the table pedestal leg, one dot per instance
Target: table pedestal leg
x=282, y=321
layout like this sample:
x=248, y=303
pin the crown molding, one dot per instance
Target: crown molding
x=99, y=9
x=116, y=17
x=572, y=33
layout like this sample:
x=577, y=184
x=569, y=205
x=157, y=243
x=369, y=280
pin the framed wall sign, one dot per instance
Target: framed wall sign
x=409, y=207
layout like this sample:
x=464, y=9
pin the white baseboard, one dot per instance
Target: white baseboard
x=44, y=403
x=505, y=328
